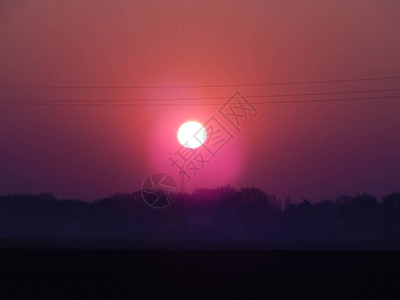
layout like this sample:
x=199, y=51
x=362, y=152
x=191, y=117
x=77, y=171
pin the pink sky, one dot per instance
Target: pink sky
x=305, y=150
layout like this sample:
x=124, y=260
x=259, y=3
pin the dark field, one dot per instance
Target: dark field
x=199, y=274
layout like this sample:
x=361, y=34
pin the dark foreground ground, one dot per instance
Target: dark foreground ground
x=127, y=274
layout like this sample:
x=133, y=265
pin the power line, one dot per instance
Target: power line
x=198, y=86
x=202, y=98
x=397, y=97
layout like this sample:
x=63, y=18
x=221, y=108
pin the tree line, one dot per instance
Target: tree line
x=220, y=214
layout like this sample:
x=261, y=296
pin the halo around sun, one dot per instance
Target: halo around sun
x=191, y=134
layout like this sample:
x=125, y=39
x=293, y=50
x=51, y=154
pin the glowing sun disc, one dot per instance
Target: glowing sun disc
x=191, y=134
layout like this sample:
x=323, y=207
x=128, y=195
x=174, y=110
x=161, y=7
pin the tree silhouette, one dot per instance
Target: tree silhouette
x=215, y=215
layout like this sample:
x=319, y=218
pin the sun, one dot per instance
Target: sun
x=191, y=134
